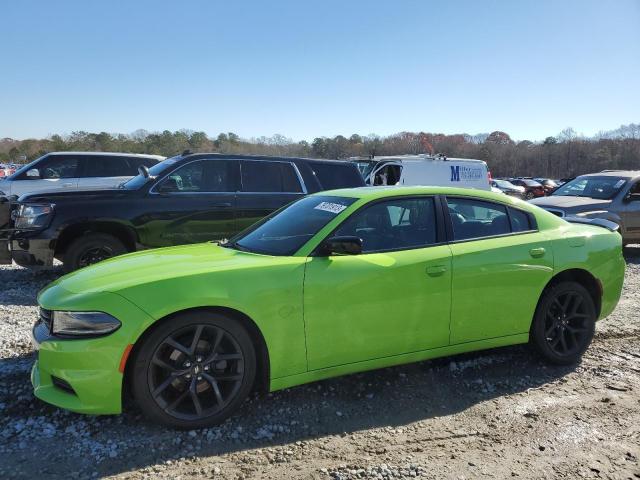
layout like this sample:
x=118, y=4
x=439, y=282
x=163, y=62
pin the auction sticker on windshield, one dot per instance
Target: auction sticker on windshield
x=330, y=207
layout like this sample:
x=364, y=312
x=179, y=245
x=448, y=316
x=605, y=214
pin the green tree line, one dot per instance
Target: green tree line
x=564, y=155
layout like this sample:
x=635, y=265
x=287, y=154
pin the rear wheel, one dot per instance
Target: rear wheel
x=564, y=323
x=194, y=371
x=91, y=248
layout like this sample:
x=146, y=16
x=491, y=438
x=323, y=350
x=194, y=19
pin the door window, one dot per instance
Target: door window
x=59, y=167
x=265, y=176
x=520, y=221
x=395, y=224
x=200, y=176
x=105, y=166
x=476, y=219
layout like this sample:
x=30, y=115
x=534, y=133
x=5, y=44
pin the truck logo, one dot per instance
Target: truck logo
x=467, y=173
x=455, y=173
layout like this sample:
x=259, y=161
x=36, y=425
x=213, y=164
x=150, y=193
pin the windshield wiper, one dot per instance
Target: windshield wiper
x=234, y=246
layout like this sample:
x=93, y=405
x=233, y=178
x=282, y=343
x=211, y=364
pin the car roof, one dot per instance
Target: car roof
x=373, y=193
x=196, y=156
x=110, y=154
x=614, y=173
x=417, y=158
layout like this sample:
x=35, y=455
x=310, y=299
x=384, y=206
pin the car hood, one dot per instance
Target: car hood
x=570, y=202
x=76, y=195
x=160, y=264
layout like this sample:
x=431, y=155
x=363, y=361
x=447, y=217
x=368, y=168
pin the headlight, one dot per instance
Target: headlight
x=83, y=323
x=33, y=216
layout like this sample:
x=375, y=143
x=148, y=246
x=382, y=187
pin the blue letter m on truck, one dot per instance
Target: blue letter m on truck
x=455, y=173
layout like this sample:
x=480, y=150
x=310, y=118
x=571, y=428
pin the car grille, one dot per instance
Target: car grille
x=558, y=213
x=45, y=317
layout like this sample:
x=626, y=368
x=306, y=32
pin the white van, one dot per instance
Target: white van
x=425, y=170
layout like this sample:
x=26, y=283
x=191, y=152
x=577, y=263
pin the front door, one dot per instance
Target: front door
x=55, y=172
x=195, y=203
x=501, y=264
x=394, y=298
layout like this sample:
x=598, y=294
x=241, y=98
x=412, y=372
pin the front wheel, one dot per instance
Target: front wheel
x=194, y=370
x=564, y=323
x=529, y=196
x=91, y=248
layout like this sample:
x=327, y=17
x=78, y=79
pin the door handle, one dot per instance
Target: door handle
x=221, y=205
x=537, y=252
x=436, y=270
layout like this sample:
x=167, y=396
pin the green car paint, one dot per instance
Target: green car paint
x=327, y=316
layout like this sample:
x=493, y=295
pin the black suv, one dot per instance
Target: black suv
x=185, y=199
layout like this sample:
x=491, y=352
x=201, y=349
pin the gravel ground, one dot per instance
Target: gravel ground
x=499, y=414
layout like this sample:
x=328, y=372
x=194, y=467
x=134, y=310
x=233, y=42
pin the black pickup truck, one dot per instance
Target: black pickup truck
x=189, y=198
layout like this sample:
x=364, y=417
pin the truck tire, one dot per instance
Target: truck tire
x=91, y=248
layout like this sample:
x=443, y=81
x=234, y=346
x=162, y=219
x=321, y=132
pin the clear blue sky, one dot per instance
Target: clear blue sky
x=312, y=68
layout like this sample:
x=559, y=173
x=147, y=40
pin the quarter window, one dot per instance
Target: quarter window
x=266, y=176
x=396, y=224
x=520, y=221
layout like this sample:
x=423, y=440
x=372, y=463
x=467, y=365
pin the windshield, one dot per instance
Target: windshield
x=284, y=232
x=601, y=188
x=158, y=169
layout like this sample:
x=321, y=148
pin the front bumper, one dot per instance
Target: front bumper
x=32, y=252
x=83, y=375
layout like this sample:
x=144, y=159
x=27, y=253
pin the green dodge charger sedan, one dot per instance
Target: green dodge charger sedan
x=335, y=283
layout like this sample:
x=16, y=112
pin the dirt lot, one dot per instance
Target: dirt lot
x=495, y=414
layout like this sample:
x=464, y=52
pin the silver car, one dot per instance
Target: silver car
x=612, y=194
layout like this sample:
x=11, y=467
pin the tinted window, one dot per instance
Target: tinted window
x=200, y=176
x=335, y=175
x=59, y=167
x=105, y=166
x=476, y=218
x=265, y=176
x=289, y=229
x=393, y=225
x=520, y=221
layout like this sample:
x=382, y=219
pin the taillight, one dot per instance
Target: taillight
x=489, y=175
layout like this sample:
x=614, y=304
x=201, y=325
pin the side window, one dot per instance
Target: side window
x=105, y=166
x=635, y=189
x=335, y=175
x=200, y=176
x=393, y=225
x=520, y=221
x=476, y=218
x=266, y=176
x=59, y=167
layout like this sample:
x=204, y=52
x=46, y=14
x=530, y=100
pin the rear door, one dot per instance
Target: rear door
x=266, y=185
x=194, y=203
x=105, y=171
x=501, y=264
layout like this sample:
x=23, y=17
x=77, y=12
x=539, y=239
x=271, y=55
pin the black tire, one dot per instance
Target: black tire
x=91, y=248
x=192, y=386
x=564, y=323
x=529, y=196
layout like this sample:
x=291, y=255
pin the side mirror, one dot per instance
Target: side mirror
x=144, y=171
x=33, y=173
x=346, y=245
x=632, y=197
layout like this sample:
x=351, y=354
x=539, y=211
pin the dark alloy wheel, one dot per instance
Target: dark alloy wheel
x=564, y=323
x=529, y=195
x=91, y=248
x=195, y=372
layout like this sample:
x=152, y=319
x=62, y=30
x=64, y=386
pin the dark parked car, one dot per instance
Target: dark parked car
x=185, y=199
x=532, y=189
x=548, y=184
